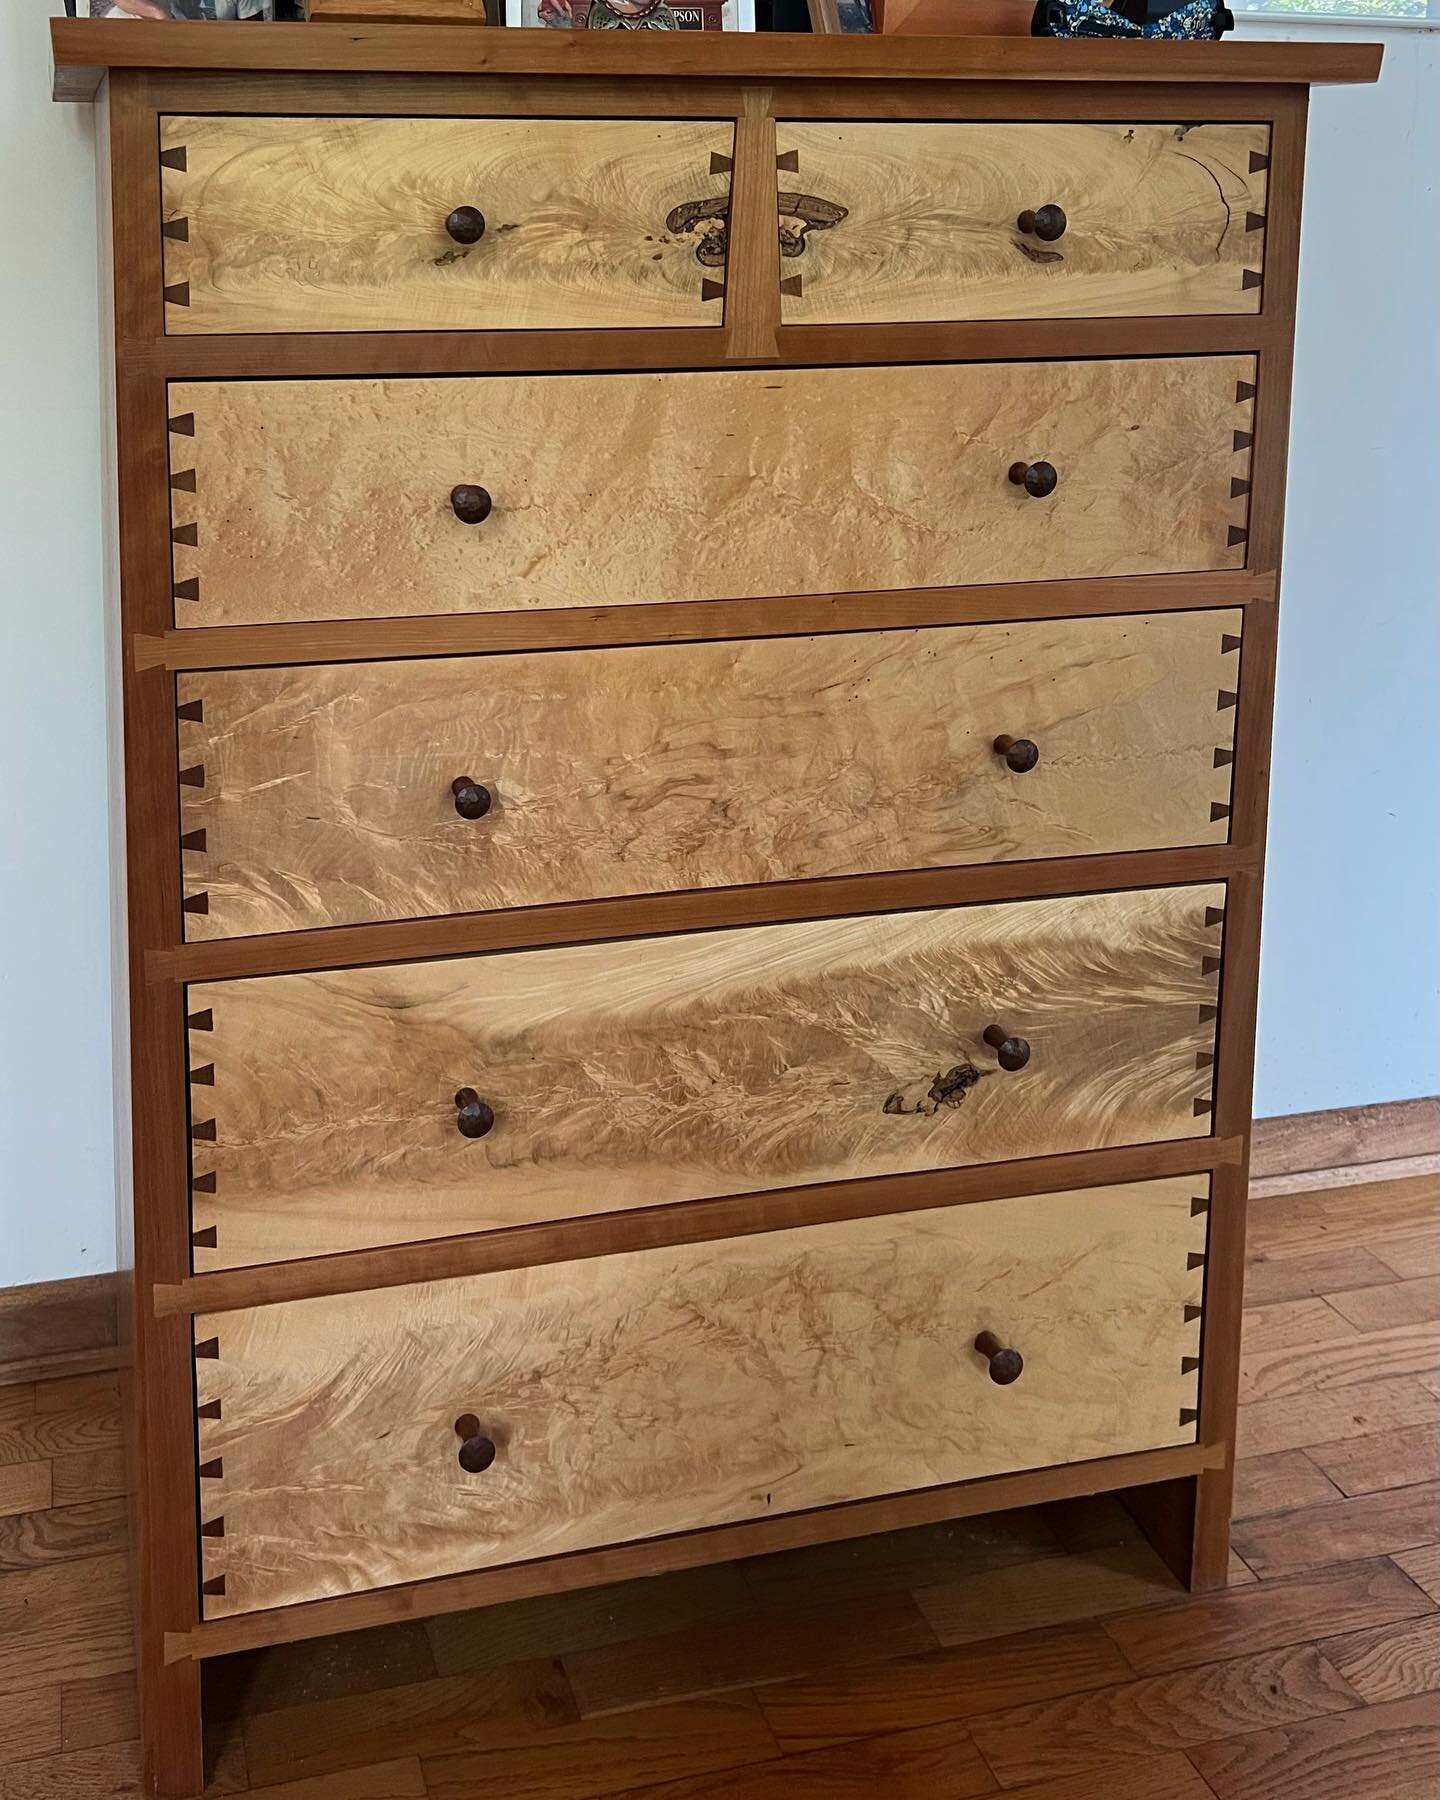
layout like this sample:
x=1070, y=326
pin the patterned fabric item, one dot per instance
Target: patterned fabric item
x=1093, y=18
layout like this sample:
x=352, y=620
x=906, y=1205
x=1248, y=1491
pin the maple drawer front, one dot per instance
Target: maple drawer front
x=366, y=499
x=360, y=1107
x=911, y=222
x=352, y=224
x=655, y=1391
x=327, y=795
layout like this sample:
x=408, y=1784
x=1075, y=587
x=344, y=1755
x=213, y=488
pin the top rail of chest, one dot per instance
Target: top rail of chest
x=83, y=49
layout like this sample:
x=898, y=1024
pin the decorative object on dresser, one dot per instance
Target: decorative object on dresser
x=696, y=622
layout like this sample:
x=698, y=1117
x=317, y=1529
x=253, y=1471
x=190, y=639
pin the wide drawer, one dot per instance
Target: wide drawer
x=328, y=224
x=325, y=795
x=665, y=1390
x=1012, y=221
x=359, y=1107
x=351, y=499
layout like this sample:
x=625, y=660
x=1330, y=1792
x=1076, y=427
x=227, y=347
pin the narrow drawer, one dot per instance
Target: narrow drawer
x=635, y=1395
x=361, y=499
x=331, y=224
x=326, y=795
x=1006, y=221
x=360, y=1107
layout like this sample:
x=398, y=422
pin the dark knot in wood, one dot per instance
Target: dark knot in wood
x=948, y=1089
x=709, y=220
x=802, y=213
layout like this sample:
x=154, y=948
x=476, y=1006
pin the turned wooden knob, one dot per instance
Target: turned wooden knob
x=471, y=505
x=1038, y=478
x=1021, y=755
x=477, y=1451
x=467, y=224
x=1010, y=1052
x=1047, y=222
x=472, y=798
x=473, y=1118
x=1005, y=1365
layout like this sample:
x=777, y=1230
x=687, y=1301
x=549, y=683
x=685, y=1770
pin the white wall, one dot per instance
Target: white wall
x=1349, y=976
x=1348, y=972
x=56, y=1166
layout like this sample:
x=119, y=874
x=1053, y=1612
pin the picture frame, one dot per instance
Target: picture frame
x=633, y=15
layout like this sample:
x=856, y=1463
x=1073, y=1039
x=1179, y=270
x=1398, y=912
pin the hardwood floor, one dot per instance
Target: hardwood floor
x=1043, y=1654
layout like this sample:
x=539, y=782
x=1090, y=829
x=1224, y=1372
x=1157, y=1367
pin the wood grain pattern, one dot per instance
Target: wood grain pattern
x=804, y=1639
x=1392, y=1402
x=1050, y=1591
x=1158, y=1713
x=1390, y=1750
x=83, y=48
x=684, y=622
x=1244, y=1621
x=51, y=1632
x=1399, y=1303
x=629, y=1075
x=305, y=224
x=642, y=1228
x=706, y=1548
x=1342, y=1531
x=323, y=794
x=1164, y=219
x=1387, y=1662
x=667, y=1743
x=1354, y=1360
x=93, y=1529
x=291, y=1736
x=1422, y=1565
x=877, y=1698
x=1404, y=1457
x=903, y=1765
x=331, y=499
x=634, y=1396
x=1345, y=1135
x=44, y=1324
x=1278, y=1483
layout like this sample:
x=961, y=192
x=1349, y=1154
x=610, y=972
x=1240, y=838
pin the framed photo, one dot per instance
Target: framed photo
x=190, y=9
x=633, y=15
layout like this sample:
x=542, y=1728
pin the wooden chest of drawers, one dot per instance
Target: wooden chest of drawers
x=696, y=625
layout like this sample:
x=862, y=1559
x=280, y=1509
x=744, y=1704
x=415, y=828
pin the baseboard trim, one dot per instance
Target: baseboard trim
x=50, y=1329
x=1388, y=1132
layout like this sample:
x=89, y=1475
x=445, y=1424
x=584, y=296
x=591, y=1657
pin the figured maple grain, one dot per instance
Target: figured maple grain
x=641, y=1394
x=656, y=1070
x=325, y=798
x=331, y=499
x=338, y=224
x=1162, y=219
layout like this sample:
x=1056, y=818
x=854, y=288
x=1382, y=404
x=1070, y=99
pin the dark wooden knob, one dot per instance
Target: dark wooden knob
x=467, y=224
x=473, y=1117
x=1047, y=222
x=1038, y=478
x=477, y=1451
x=471, y=505
x=472, y=798
x=1021, y=755
x=1010, y=1052
x=1005, y=1365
